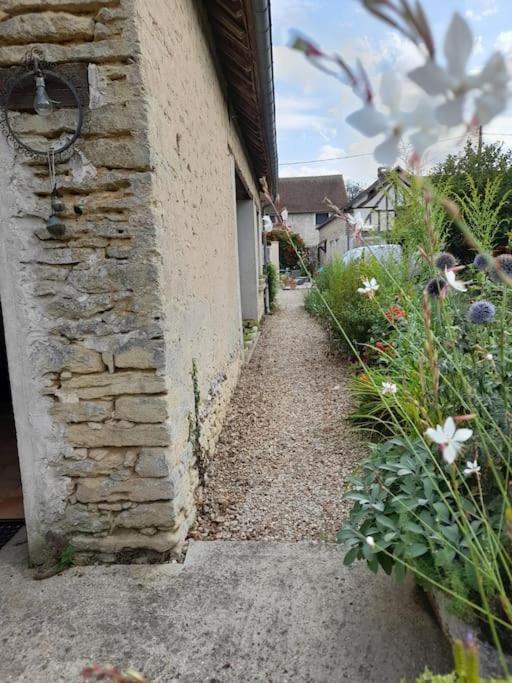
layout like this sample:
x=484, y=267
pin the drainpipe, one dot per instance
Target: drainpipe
x=263, y=23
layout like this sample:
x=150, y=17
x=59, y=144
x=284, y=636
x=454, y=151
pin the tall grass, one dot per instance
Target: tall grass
x=442, y=366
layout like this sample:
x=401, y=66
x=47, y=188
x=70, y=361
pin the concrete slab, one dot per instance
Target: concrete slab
x=235, y=611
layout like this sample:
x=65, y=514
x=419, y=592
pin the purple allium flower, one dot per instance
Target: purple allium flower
x=481, y=312
x=445, y=261
x=436, y=287
x=481, y=262
x=503, y=264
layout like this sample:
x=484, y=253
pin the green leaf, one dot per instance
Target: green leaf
x=415, y=528
x=351, y=556
x=428, y=489
x=368, y=552
x=444, y=557
x=442, y=511
x=354, y=495
x=451, y=533
x=416, y=549
x=373, y=564
x=400, y=571
x=385, y=521
x=386, y=562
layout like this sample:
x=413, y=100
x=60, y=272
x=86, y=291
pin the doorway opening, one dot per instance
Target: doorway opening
x=11, y=494
x=248, y=252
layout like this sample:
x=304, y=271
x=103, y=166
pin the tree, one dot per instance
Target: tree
x=287, y=254
x=471, y=175
x=353, y=188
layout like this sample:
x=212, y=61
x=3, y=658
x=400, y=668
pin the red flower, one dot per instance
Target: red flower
x=394, y=313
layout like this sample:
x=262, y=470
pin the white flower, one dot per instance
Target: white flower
x=389, y=388
x=356, y=220
x=449, y=438
x=489, y=356
x=471, y=468
x=371, y=122
x=454, y=80
x=453, y=282
x=370, y=541
x=370, y=287
x=267, y=223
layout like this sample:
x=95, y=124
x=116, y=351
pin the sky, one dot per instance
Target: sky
x=311, y=107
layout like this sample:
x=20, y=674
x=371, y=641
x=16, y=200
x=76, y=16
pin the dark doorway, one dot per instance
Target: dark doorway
x=11, y=496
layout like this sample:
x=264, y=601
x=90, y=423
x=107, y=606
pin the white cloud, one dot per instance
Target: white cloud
x=504, y=42
x=301, y=114
x=291, y=10
x=485, y=8
x=329, y=151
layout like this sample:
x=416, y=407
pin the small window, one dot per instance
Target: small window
x=321, y=218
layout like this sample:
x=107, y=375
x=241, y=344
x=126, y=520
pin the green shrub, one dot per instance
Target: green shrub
x=291, y=247
x=408, y=508
x=354, y=319
x=273, y=283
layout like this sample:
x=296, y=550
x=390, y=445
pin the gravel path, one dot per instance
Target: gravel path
x=285, y=452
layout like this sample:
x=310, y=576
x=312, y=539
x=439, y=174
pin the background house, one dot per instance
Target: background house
x=376, y=204
x=374, y=207
x=304, y=198
x=333, y=239
x=124, y=336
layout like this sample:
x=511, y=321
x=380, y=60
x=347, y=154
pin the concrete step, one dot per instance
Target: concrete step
x=235, y=611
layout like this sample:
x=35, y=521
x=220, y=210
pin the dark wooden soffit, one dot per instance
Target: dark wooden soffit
x=234, y=36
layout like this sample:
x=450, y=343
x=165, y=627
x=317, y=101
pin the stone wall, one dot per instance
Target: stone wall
x=124, y=336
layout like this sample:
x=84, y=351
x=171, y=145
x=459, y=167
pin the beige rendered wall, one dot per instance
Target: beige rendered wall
x=195, y=149
x=335, y=236
x=124, y=336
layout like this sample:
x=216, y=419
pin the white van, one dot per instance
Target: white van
x=382, y=252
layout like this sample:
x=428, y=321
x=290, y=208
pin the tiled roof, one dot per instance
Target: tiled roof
x=306, y=194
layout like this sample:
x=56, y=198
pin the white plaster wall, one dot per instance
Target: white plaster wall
x=304, y=224
x=335, y=236
x=274, y=254
x=40, y=440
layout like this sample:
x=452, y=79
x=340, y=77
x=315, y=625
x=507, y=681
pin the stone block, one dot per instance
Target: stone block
x=91, y=468
x=120, y=251
x=106, y=15
x=64, y=305
x=18, y=6
x=83, y=411
x=50, y=27
x=147, y=514
x=152, y=462
x=110, y=276
x=130, y=151
x=82, y=360
x=146, y=356
x=141, y=408
x=125, y=539
x=107, y=384
x=117, y=434
x=99, y=51
x=136, y=489
x=81, y=518
x=112, y=458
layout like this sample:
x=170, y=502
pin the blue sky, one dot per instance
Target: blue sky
x=312, y=107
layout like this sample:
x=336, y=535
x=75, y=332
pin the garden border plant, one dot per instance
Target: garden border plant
x=470, y=524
